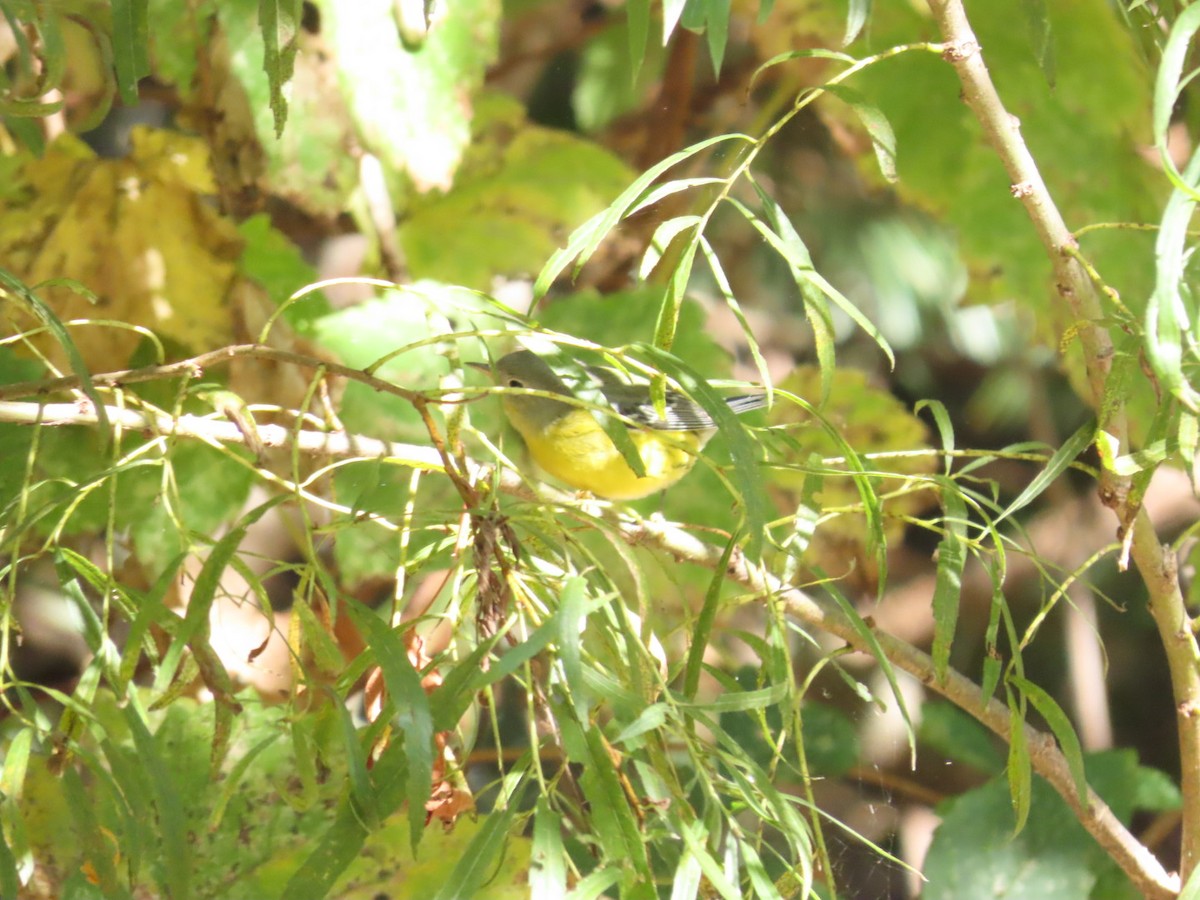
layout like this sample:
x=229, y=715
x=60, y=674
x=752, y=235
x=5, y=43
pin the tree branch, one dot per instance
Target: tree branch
x=1154, y=562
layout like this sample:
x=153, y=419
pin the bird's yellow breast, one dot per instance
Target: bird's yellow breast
x=576, y=450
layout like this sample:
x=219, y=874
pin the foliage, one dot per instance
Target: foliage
x=327, y=634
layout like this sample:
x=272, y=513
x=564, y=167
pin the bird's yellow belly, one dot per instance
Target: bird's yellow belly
x=576, y=450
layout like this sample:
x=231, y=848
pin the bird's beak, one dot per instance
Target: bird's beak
x=482, y=367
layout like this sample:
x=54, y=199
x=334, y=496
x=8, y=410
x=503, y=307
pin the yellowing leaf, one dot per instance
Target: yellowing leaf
x=136, y=232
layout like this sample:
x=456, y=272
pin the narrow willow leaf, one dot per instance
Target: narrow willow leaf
x=1166, y=314
x=637, y=19
x=867, y=634
x=1169, y=83
x=864, y=483
x=584, y=241
x=651, y=718
x=667, y=188
x=478, y=861
x=12, y=783
x=760, y=879
x=130, y=38
x=10, y=880
x=1057, y=464
x=1041, y=37
x=664, y=234
x=696, y=837
x=1060, y=725
x=279, y=21
x=718, y=271
x=515, y=657
x=740, y=701
x=951, y=559
x=572, y=619
x=668, y=313
x=612, y=820
x=878, y=128
x=1191, y=890
x=1019, y=768
x=717, y=31
x=856, y=17
x=32, y=109
x=941, y=418
x=451, y=698
x=783, y=238
x=231, y=783
x=672, y=13
x=789, y=55
x=412, y=712
x=10, y=282
x=337, y=848
x=362, y=792
x=1188, y=433
x=685, y=885
x=176, y=859
x=702, y=629
x=596, y=885
x=547, y=862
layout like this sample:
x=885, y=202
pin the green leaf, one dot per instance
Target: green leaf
x=1169, y=83
x=1041, y=36
x=412, y=708
x=867, y=634
x=1055, y=466
x=611, y=819
x=280, y=24
x=945, y=427
x=783, y=238
x=857, y=14
x=701, y=631
x=130, y=37
x=478, y=862
x=1060, y=725
x=637, y=19
x=547, y=864
x=974, y=852
x=1191, y=890
x=883, y=139
x=584, y=241
x=1167, y=314
x=172, y=821
x=1019, y=768
x=10, y=282
x=947, y=591
x=572, y=618
x=672, y=13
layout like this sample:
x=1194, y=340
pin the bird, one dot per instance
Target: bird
x=567, y=441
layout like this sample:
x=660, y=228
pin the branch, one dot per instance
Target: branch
x=1154, y=562
x=1138, y=862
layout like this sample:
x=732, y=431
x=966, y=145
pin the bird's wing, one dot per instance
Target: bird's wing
x=682, y=414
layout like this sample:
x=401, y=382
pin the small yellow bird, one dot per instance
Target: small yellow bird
x=566, y=440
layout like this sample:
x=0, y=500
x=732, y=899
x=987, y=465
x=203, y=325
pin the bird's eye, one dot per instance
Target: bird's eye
x=513, y=382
